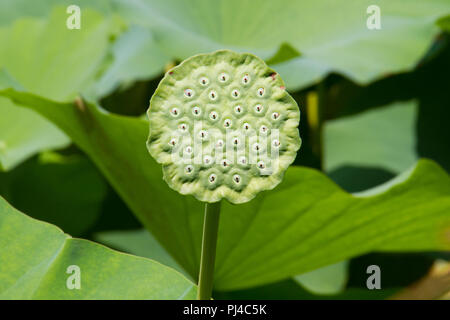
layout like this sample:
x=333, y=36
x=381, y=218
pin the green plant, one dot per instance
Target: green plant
x=223, y=126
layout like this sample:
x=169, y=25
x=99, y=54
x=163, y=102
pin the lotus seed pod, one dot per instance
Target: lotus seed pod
x=223, y=126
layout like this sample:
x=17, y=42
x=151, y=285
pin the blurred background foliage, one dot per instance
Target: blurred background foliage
x=373, y=102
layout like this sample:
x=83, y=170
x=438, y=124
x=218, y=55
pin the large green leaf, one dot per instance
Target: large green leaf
x=309, y=222
x=35, y=257
x=117, y=145
x=67, y=191
x=305, y=223
x=326, y=280
x=24, y=133
x=46, y=58
x=331, y=36
x=382, y=138
x=140, y=243
x=136, y=56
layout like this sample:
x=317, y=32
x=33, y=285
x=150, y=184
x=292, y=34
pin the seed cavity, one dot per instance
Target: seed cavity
x=258, y=108
x=261, y=92
x=188, y=149
x=227, y=123
x=189, y=93
x=207, y=160
x=275, y=115
x=276, y=143
x=172, y=142
x=203, y=134
x=238, y=109
x=196, y=111
x=236, y=141
x=223, y=77
x=213, y=95
x=261, y=165
x=213, y=115
x=174, y=112
x=237, y=178
x=246, y=126
x=204, y=81
x=212, y=178
x=243, y=160
x=183, y=127
x=235, y=93
x=225, y=163
x=245, y=79
x=189, y=169
x=256, y=147
x=219, y=143
x=263, y=129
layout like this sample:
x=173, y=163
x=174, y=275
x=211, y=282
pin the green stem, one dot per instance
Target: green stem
x=208, y=257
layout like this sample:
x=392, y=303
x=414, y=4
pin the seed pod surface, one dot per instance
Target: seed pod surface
x=223, y=126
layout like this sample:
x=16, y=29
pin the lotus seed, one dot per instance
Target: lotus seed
x=258, y=108
x=246, y=126
x=276, y=143
x=238, y=109
x=212, y=178
x=203, y=134
x=174, y=112
x=261, y=165
x=263, y=129
x=213, y=95
x=213, y=115
x=196, y=111
x=173, y=142
x=207, y=160
x=237, y=178
x=219, y=143
x=189, y=169
x=225, y=163
x=204, y=81
x=275, y=115
x=183, y=127
x=235, y=93
x=223, y=77
x=260, y=92
x=246, y=79
x=227, y=123
x=242, y=160
x=189, y=93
